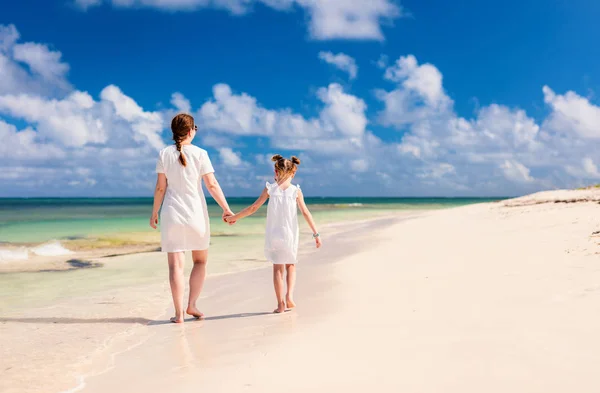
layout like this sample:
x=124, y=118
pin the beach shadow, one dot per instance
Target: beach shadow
x=131, y=321
x=75, y=264
x=231, y=316
x=68, y=321
x=217, y=317
x=153, y=249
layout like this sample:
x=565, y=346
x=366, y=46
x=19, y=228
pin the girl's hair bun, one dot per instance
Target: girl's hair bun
x=295, y=160
x=276, y=157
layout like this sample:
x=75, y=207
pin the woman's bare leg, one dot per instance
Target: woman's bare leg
x=176, y=263
x=197, y=277
x=278, y=271
x=291, y=283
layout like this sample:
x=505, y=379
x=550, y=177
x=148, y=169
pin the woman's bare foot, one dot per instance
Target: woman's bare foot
x=193, y=311
x=177, y=319
x=290, y=303
x=280, y=308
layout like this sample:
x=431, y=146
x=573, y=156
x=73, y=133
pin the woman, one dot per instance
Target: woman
x=184, y=222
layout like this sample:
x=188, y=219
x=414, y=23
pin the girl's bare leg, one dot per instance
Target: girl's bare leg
x=176, y=262
x=197, y=277
x=278, y=271
x=291, y=283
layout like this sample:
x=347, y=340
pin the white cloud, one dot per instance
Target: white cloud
x=236, y=114
x=498, y=137
x=78, y=120
x=72, y=143
x=30, y=67
x=339, y=127
x=216, y=140
x=8, y=37
x=341, y=61
x=349, y=19
x=590, y=167
x=42, y=61
x=230, y=158
x=437, y=171
x=360, y=165
x=181, y=103
x=344, y=112
x=66, y=121
x=425, y=80
x=328, y=19
x=572, y=114
x=23, y=146
x=516, y=171
x=587, y=170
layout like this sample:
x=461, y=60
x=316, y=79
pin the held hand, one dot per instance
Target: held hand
x=154, y=220
x=231, y=219
x=226, y=214
x=318, y=241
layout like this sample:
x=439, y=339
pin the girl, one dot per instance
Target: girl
x=281, y=242
x=184, y=224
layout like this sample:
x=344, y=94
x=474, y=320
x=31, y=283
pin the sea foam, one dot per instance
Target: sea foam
x=51, y=249
x=13, y=254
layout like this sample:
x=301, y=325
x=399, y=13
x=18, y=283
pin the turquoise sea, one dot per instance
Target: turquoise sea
x=38, y=220
x=74, y=228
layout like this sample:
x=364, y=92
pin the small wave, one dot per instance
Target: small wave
x=14, y=254
x=349, y=205
x=51, y=249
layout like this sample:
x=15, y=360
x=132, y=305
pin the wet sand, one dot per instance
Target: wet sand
x=67, y=339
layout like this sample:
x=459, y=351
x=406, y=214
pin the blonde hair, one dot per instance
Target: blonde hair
x=285, y=167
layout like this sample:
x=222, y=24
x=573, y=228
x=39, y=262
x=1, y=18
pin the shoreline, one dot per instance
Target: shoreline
x=92, y=252
x=110, y=314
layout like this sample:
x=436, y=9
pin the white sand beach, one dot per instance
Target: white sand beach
x=495, y=297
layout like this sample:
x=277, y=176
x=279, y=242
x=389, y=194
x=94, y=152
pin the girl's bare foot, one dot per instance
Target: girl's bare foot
x=290, y=303
x=193, y=311
x=177, y=319
x=280, y=308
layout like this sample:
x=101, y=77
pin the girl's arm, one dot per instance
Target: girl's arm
x=308, y=217
x=213, y=187
x=252, y=208
x=159, y=195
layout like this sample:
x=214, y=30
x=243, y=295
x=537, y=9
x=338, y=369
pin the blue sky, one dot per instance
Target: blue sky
x=448, y=98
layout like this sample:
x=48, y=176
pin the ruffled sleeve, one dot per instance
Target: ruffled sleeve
x=297, y=190
x=268, y=187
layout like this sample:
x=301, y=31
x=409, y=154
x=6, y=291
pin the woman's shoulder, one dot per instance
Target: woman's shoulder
x=193, y=149
x=166, y=150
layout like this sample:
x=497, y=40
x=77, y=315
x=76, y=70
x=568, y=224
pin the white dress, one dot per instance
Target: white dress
x=184, y=224
x=281, y=235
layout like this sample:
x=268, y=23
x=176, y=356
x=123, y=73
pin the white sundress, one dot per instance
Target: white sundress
x=184, y=224
x=281, y=235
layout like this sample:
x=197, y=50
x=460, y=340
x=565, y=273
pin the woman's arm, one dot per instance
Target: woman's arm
x=213, y=187
x=308, y=217
x=252, y=208
x=159, y=195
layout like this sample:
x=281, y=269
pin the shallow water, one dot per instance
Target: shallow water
x=233, y=248
x=41, y=220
